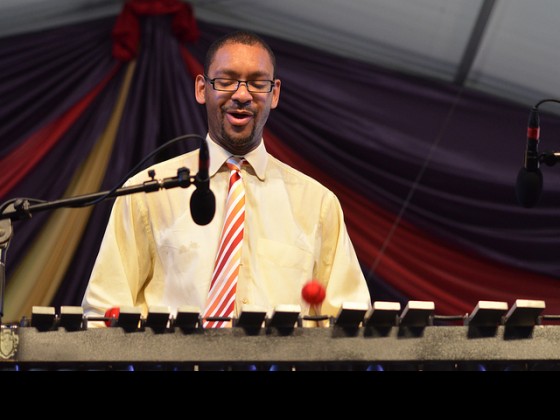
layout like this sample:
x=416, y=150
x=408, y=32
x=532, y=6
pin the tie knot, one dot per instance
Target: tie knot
x=234, y=163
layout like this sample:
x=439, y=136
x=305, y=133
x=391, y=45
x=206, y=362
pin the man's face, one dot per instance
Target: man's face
x=236, y=119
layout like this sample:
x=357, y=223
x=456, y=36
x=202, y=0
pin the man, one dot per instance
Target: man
x=153, y=253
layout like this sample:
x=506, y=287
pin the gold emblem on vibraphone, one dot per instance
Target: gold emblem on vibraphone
x=8, y=343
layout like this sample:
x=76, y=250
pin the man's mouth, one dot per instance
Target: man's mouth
x=239, y=117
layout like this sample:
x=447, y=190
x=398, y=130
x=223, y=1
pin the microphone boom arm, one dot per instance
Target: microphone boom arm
x=19, y=208
x=549, y=158
x=23, y=210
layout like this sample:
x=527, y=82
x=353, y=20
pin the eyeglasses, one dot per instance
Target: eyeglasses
x=231, y=85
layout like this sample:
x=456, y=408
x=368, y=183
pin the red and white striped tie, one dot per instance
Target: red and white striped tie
x=221, y=298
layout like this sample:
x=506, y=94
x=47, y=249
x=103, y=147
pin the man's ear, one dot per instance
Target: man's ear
x=275, y=93
x=200, y=89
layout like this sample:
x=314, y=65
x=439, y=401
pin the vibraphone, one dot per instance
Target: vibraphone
x=487, y=339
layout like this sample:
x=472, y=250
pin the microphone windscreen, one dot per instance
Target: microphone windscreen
x=203, y=206
x=528, y=187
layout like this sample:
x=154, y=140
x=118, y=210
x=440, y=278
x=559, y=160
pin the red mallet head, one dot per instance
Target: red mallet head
x=112, y=313
x=313, y=292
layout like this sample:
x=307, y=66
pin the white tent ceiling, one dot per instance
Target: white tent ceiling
x=509, y=48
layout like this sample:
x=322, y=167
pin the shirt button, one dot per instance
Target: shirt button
x=245, y=301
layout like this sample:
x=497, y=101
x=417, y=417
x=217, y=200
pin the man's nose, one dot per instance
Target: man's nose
x=242, y=93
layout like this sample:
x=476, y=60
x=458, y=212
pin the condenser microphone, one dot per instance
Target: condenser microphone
x=203, y=201
x=529, y=179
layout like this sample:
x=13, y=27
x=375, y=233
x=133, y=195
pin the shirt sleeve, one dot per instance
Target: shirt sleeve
x=124, y=261
x=339, y=269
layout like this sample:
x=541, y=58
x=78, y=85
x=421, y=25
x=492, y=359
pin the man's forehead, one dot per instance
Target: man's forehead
x=234, y=55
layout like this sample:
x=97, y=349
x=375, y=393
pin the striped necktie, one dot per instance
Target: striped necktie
x=221, y=298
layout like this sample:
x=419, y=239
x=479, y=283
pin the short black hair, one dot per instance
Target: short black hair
x=240, y=37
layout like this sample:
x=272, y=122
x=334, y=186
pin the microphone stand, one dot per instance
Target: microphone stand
x=549, y=158
x=529, y=182
x=19, y=209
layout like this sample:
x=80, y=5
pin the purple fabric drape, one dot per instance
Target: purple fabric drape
x=52, y=71
x=448, y=158
x=45, y=73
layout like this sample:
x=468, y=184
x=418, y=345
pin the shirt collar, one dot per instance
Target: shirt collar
x=257, y=158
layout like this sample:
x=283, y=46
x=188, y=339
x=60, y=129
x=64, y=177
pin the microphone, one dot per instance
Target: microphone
x=203, y=202
x=529, y=179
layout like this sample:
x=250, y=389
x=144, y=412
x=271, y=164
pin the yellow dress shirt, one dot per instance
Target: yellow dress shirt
x=154, y=254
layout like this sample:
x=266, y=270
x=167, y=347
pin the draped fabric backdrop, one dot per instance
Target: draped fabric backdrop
x=425, y=171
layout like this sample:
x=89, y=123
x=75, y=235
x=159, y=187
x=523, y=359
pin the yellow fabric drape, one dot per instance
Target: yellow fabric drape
x=38, y=276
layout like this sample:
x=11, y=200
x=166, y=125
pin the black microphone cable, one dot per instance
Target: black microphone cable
x=137, y=167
